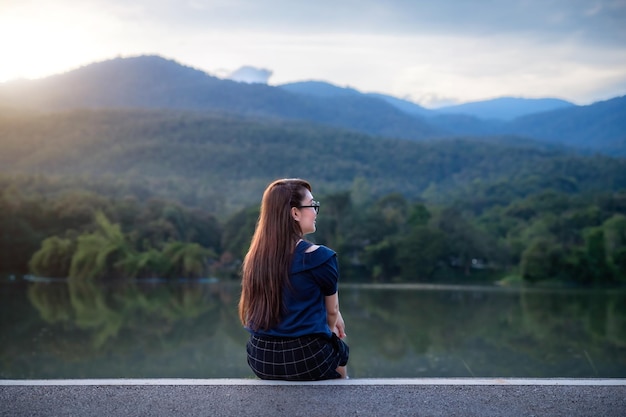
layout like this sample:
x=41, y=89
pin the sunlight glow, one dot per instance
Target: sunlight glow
x=39, y=38
x=45, y=42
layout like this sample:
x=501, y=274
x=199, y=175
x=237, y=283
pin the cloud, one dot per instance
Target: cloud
x=486, y=67
x=593, y=21
x=431, y=51
x=247, y=74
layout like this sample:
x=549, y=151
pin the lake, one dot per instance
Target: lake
x=190, y=329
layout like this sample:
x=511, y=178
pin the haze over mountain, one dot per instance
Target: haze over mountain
x=503, y=108
x=601, y=125
x=155, y=82
x=506, y=108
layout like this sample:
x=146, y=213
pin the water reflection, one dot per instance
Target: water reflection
x=88, y=330
x=84, y=329
x=487, y=332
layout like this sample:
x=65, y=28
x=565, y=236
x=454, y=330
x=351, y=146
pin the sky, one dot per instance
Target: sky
x=434, y=53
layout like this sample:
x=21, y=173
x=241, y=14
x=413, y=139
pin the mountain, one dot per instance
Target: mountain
x=500, y=109
x=155, y=82
x=597, y=127
x=152, y=82
x=327, y=90
x=146, y=81
x=505, y=108
x=404, y=105
x=319, y=89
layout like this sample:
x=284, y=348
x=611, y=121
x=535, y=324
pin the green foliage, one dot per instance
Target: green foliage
x=54, y=259
x=541, y=260
x=615, y=244
x=238, y=231
x=148, y=264
x=380, y=258
x=598, y=268
x=100, y=253
x=187, y=259
x=567, y=238
x=421, y=252
x=221, y=163
x=172, y=194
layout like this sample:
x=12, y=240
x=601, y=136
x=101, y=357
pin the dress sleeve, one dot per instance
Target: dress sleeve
x=326, y=275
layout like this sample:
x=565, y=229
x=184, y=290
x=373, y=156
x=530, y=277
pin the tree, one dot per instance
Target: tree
x=54, y=258
x=464, y=241
x=420, y=253
x=147, y=264
x=188, y=260
x=392, y=209
x=238, y=230
x=541, y=260
x=418, y=215
x=595, y=244
x=335, y=217
x=380, y=259
x=615, y=244
x=100, y=253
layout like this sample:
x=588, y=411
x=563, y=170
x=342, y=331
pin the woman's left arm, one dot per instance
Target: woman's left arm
x=333, y=315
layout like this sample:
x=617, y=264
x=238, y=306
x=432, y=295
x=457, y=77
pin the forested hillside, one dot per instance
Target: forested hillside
x=142, y=167
x=139, y=193
x=222, y=162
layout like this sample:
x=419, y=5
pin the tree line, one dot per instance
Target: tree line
x=549, y=235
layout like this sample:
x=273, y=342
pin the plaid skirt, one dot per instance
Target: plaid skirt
x=305, y=358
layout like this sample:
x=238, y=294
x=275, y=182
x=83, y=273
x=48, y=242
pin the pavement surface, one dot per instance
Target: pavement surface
x=354, y=397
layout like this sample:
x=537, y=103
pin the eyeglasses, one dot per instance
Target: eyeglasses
x=314, y=204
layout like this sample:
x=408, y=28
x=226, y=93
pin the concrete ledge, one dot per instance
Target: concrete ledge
x=353, y=397
x=362, y=381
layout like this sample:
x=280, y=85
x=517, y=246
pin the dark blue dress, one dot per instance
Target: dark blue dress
x=302, y=347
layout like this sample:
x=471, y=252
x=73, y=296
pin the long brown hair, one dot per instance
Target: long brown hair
x=266, y=265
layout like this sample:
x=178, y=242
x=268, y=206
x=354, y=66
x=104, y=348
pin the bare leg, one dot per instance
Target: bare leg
x=343, y=371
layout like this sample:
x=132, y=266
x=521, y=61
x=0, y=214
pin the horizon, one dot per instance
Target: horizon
x=248, y=81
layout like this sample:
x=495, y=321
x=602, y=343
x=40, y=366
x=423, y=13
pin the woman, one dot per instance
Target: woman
x=289, y=301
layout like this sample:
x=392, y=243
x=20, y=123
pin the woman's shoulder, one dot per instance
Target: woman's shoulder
x=312, y=248
x=313, y=255
x=319, y=254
